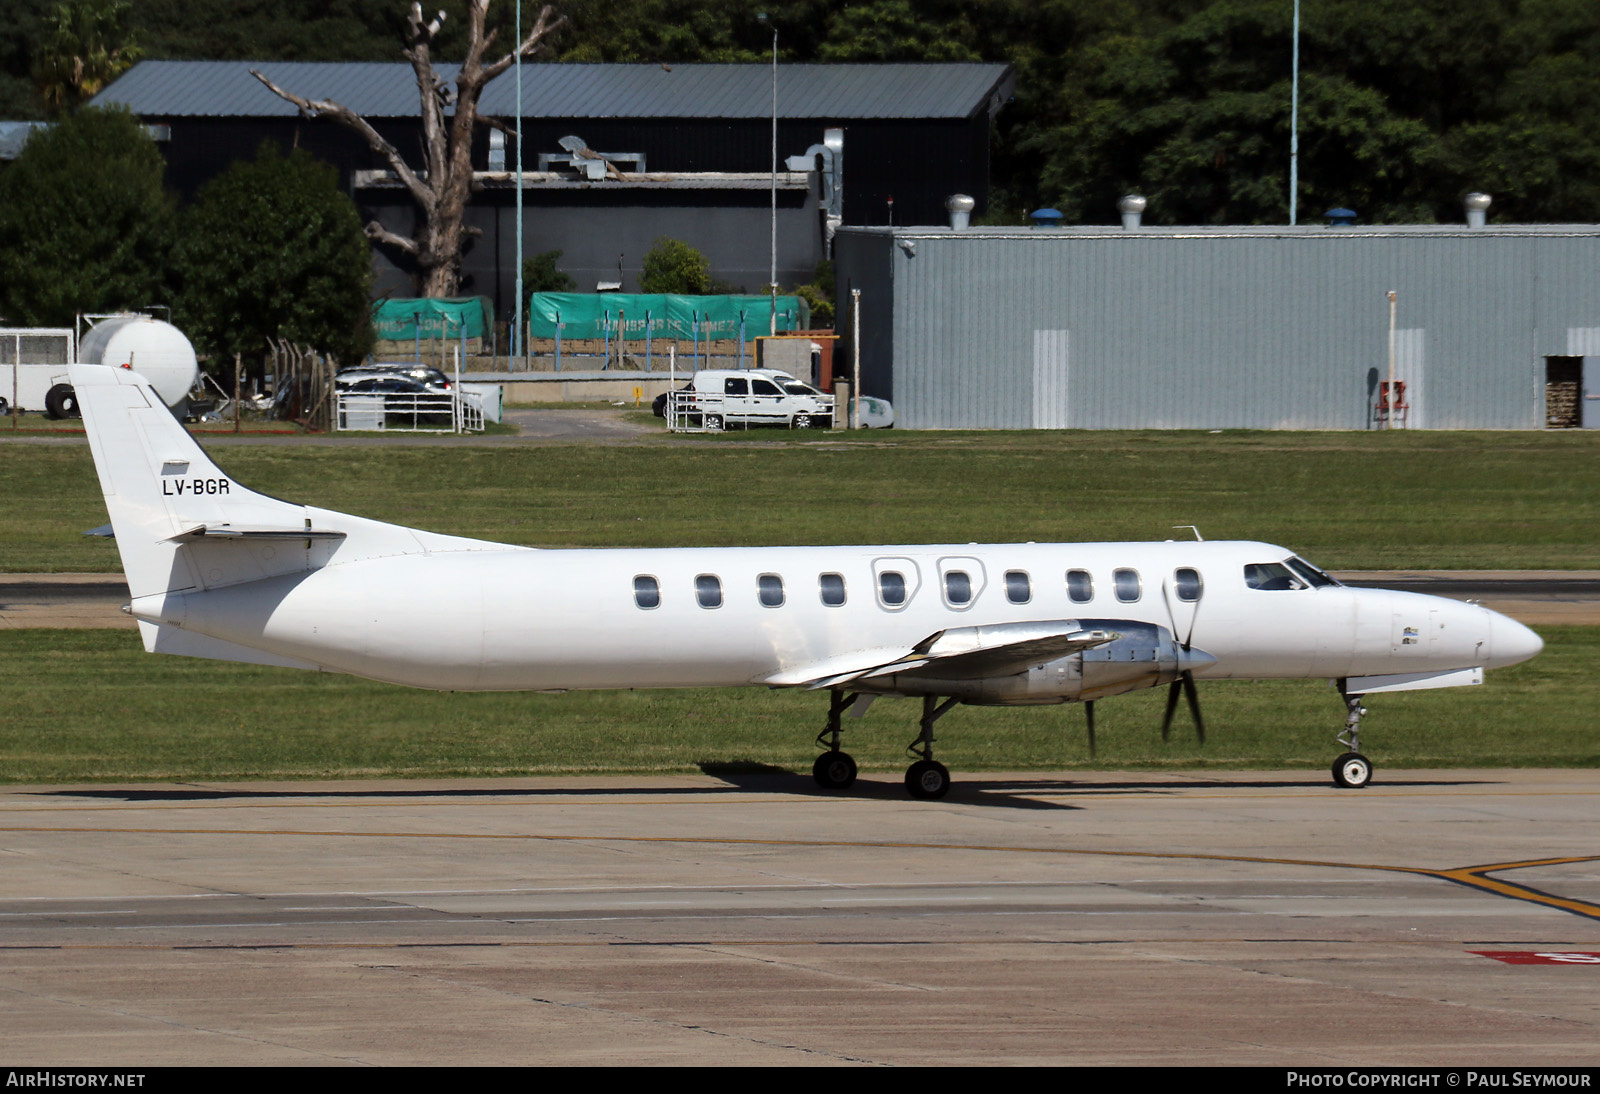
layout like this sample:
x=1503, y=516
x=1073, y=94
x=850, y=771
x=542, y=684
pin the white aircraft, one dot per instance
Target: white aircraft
x=216, y=570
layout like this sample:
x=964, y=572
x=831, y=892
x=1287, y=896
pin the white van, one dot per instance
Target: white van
x=716, y=398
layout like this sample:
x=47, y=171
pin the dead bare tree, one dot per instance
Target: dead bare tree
x=442, y=189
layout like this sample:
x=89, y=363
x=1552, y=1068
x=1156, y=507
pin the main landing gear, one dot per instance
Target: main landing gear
x=835, y=769
x=928, y=778
x=1352, y=770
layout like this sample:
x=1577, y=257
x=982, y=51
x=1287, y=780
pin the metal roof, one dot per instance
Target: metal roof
x=222, y=89
x=1239, y=231
x=13, y=135
x=389, y=90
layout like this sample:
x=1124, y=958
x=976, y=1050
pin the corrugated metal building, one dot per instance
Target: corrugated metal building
x=1209, y=328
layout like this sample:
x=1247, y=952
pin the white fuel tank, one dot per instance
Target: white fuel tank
x=157, y=351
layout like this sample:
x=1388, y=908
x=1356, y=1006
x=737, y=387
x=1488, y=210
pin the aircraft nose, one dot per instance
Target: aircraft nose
x=1510, y=642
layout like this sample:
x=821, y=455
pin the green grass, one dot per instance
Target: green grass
x=86, y=705
x=92, y=706
x=1346, y=500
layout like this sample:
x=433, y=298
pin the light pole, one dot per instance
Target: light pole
x=772, y=269
x=1294, y=121
x=516, y=310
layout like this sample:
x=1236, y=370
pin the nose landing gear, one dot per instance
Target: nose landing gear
x=1352, y=770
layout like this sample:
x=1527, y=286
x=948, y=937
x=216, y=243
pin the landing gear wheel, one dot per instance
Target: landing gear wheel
x=713, y=423
x=1352, y=771
x=61, y=402
x=834, y=770
x=927, y=779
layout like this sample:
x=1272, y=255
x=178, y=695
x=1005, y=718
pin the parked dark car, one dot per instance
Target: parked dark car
x=403, y=397
x=426, y=375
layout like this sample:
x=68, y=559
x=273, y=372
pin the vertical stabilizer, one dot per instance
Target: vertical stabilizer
x=159, y=484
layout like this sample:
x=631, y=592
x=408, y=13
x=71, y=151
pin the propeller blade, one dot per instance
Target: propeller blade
x=1088, y=710
x=1172, y=706
x=1192, y=693
x=1185, y=684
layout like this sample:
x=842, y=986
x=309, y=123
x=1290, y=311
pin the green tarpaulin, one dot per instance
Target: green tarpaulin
x=445, y=317
x=710, y=318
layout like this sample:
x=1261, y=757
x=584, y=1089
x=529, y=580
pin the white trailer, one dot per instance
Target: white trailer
x=33, y=361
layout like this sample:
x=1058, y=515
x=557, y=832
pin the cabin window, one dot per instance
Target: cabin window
x=1080, y=586
x=708, y=590
x=892, y=588
x=1188, y=584
x=735, y=385
x=759, y=386
x=831, y=589
x=769, y=588
x=1271, y=577
x=646, y=591
x=1129, y=587
x=1019, y=590
x=958, y=588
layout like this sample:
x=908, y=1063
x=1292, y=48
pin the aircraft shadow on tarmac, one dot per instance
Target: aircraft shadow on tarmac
x=997, y=791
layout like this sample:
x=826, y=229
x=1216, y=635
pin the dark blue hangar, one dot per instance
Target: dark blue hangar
x=686, y=152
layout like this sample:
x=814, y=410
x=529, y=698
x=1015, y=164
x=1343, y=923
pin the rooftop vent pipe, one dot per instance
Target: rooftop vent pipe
x=1340, y=218
x=1046, y=218
x=1132, y=206
x=1477, y=205
x=960, y=207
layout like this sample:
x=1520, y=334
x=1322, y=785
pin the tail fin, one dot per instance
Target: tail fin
x=182, y=524
x=159, y=485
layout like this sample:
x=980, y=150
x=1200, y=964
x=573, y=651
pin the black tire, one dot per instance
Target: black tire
x=800, y=421
x=1352, y=771
x=713, y=423
x=5, y=408
x=61, y=402
x=658, y=406
x=927, y=779
x=834, y=770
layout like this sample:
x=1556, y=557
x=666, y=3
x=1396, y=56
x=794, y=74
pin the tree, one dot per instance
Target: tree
x=273, y=249
x=672, y=266
x=443, y=187
x=88, y=45
x=539, y=274
x=84, y=223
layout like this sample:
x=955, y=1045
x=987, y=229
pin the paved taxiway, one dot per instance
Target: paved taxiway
x=1249, y=918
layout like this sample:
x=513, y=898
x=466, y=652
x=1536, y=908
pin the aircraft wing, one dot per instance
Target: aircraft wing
x=956, y=653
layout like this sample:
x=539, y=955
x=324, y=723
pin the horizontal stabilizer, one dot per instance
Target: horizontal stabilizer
x=229, y=531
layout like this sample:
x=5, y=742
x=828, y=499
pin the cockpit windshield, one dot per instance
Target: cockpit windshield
x=1316, y=577
x=1271, y=576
